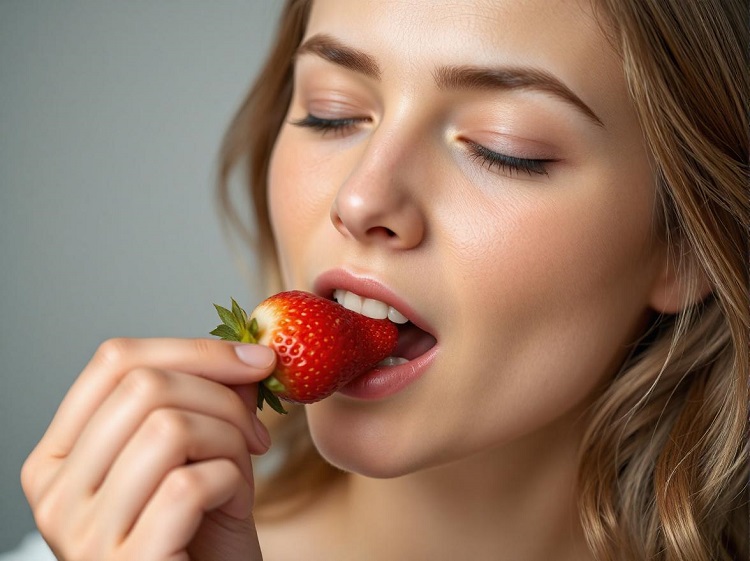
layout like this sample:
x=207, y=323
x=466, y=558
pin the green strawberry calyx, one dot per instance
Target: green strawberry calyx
x=236, y=326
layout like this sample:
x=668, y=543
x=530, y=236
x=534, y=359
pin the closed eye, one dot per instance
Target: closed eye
x=339, y=126
x=493, y=161
x=507, y=164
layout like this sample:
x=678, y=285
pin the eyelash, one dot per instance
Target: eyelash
x=507, y=164
x=338, y=126
x=486, y=157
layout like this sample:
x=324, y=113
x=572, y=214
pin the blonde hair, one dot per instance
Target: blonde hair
x=674, y=484
x=664, y=463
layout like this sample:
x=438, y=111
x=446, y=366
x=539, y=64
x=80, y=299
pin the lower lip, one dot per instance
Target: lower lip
x=382, y=382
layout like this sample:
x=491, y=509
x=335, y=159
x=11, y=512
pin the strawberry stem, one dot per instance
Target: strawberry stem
x=235, y=326
x=265, y=395
x=273, y=384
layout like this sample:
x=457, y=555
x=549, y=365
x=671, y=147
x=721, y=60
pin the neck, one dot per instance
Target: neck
x=513, y=502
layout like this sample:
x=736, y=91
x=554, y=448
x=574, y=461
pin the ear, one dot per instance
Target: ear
x=679, y=284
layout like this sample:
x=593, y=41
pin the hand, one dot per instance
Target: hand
x=148, y=456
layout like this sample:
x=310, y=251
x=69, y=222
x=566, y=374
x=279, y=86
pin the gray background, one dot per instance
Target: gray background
x=111, y=113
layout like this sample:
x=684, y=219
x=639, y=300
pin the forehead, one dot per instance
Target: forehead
x=409, y=39
x=480, y=26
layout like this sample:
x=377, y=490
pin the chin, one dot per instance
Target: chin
x=363, y=444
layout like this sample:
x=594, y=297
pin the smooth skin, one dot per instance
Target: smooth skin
x=536, y=281
x=536, y=285
x=148, y=456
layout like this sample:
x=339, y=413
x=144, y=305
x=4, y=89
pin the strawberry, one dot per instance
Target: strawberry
x=320, y=345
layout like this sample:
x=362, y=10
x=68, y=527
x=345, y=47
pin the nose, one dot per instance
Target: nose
x=379, y=203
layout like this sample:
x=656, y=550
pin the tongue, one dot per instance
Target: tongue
x=412, y=342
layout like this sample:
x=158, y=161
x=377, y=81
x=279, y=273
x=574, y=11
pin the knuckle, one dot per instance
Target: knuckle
x=232, y=473
x=145, y=384
x=35, y=476
x=234, y=479
x=168, y=425
x=44, y=517
x=29, y=476
x=204, y=348
x=182, y=483
x=73, y=534
x=47, y=514
x=114, y=351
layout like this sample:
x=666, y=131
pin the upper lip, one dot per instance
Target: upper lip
x=368, y=287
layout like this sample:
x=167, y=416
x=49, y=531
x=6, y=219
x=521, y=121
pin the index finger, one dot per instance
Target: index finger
x=225, y=362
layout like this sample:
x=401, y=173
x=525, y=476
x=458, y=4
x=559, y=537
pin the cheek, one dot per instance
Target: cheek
x=298, y=203
x=596, y=250
x=585, y=247
x=556, y=292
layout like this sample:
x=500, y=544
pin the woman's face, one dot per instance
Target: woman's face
x=477, y=166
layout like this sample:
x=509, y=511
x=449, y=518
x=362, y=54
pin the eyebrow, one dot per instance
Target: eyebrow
x=510, y=78
x=336, y=52
x=452, y=77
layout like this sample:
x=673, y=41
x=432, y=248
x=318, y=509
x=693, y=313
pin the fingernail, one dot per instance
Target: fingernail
x=263, y=435
x=258, y=356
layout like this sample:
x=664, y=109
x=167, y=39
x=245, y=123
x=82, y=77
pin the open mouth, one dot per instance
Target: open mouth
x=412, y=340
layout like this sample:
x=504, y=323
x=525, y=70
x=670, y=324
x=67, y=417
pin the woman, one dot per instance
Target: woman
x=554, y=194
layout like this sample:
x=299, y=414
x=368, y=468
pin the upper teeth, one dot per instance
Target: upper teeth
x=368, y=306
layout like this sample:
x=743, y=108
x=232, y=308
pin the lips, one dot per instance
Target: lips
x=412, y=341
x=372, y=299
x=417, y=345
x=368, y=306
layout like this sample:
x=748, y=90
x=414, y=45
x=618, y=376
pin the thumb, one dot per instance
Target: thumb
x=257, y=356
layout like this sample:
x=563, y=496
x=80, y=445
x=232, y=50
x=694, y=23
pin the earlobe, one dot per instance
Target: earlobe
x=680, y=284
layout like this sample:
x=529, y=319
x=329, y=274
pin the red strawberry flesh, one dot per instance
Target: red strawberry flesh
x=321, y=345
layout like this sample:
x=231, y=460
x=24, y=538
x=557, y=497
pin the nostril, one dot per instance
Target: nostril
x=381, y=231
x=338, y=223
x=400, y=227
